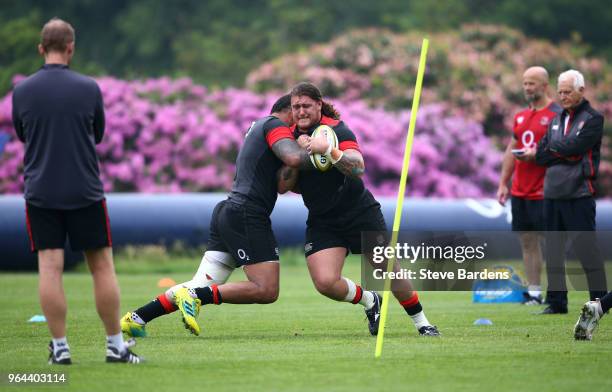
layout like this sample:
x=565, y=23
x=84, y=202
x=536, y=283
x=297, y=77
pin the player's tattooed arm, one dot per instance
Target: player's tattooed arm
x=350, y=163
x=287, y=179
x=288, y=151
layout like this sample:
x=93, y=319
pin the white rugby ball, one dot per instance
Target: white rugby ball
x=321, y=162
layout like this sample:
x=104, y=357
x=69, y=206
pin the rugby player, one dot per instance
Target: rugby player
x=340, y=208
x=590, y=315
x=530, y=125
x=240, y=230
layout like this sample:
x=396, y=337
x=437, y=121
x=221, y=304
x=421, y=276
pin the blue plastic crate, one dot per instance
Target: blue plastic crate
x=499, y=290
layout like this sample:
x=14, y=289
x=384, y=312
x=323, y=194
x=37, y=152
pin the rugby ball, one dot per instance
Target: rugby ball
x=321, y=162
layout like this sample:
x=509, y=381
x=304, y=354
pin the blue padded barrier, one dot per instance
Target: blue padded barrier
x=166, y=219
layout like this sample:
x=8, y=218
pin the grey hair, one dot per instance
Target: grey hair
x=574, y=75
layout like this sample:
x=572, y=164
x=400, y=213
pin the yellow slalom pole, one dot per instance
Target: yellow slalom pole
x=400, y=194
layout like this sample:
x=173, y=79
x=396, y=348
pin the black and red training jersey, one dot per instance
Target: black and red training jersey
x=255, y=181
x=331, y=193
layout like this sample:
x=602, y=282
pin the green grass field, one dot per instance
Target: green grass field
x=305, y=342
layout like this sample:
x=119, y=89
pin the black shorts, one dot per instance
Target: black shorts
x=342, y=232
x=86, y=228
x=527, y=215
x=245, y=233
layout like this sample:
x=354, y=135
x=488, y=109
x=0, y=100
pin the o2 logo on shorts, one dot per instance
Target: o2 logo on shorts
x=242, y=255
x=308, y=247
x=528, y=138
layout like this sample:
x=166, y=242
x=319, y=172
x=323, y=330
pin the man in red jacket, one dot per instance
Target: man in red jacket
x=527, y=190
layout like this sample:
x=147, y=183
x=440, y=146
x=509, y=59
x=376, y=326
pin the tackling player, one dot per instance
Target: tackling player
x=240, y=230
x=527, y=191
x=340, y=208
x=590, y=315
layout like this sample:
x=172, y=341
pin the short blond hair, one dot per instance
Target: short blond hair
x=56, y=34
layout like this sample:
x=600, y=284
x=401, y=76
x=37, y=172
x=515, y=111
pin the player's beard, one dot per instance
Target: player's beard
x=304, y=126
x=534, y=97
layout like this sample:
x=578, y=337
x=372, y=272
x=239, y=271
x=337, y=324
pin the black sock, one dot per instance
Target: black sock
x=412, y=305
x=209, y=295
x=158, y=307
x=414, y=309
x=606, y=302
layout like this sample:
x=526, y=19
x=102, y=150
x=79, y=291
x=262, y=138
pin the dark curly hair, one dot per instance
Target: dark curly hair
x=283, y=103
x=310, y=90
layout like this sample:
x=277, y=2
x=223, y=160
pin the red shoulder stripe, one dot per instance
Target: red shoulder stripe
x=349, y=145
x=329, y=121
x=277, y=134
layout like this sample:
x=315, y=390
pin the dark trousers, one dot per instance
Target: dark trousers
x=606, y=302
x=574, y=220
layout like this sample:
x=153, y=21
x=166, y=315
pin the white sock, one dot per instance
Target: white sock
x=599, y=309
x=116, y=341
x=136, y=318
x=352, y=290
x=60, y=343
x=367, y=297
x=420, y=320
x=534, y=290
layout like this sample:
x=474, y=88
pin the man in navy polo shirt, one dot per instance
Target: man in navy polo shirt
x=59, y=115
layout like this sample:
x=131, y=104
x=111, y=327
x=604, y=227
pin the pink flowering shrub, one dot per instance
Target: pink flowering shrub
x=451, y=156
x=476, y=71
x=167, y=135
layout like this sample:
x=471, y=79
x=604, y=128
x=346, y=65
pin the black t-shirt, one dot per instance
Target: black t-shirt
x=255, y=182
x=59, y=115
x=331, y=194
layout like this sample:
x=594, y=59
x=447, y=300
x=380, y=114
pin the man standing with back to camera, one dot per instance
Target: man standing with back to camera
x=571, y=151
x=59, y=115
x=527, y=191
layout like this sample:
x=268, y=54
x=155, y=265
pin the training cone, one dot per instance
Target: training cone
x=165, y=283
x=483, y=321
x=37, y=318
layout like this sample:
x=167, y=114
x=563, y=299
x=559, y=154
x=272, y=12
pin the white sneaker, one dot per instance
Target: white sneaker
x=587, y=322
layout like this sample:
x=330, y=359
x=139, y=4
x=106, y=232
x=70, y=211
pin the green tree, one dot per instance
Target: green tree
x=18, y=53
x=218, y=41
